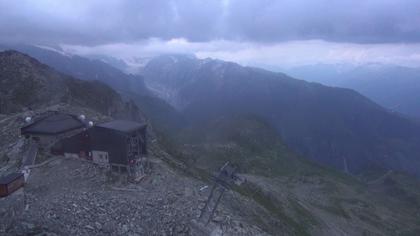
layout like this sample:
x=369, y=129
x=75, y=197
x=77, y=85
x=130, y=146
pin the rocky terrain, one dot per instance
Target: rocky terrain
x=83, y=68
x=307, y=198
x=284, y=194
x=71, y=197
x=65, y=196
x=160, y=114
x=333, y=126
x=27, y=84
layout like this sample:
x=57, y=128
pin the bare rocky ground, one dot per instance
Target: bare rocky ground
x=67, y=196
x=330, y=207
x=74, y=197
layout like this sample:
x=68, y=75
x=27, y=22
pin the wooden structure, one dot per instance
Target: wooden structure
x=119, y=145
x=122, y=144
x=11, y=183
x=51, y=127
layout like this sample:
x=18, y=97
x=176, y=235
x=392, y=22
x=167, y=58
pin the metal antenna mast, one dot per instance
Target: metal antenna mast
x=222, y=182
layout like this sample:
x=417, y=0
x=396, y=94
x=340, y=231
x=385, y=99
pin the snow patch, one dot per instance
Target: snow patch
x=54, y=50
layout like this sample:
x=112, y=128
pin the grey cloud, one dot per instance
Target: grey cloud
x=369, y=21
x=100, y=22
x=269, y=21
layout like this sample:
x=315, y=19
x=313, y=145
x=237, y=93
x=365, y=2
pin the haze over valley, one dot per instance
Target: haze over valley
x=210, y=118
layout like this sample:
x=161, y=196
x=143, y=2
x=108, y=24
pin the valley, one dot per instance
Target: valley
x=215, y=113
x=333, y=126
x=396, y=88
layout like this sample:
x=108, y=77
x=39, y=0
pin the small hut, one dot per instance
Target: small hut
x=51, y=127
x=118, y=142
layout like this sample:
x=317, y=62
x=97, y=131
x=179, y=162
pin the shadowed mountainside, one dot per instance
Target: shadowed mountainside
x=130, y=87
x=84, y=68
x=333, y=126
x=284, y=193
x=28, y=84
x=395, y=87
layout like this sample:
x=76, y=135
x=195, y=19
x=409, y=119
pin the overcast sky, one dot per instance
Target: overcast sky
x=256, y=32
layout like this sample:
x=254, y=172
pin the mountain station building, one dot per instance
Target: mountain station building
x=118, y=144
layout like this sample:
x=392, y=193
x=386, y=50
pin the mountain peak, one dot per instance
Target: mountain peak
x=13, y=55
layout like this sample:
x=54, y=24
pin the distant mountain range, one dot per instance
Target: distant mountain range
x=28, y=84
x=395, y=87
x=84, y=68
x=333, y=126
x=130, y=87
x=241, y=115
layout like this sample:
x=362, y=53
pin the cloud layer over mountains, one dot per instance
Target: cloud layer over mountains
x=266, y=21
x=267, y=33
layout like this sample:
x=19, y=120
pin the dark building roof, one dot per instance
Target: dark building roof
x=53, y=124
x=10, y=177
x=122, y=125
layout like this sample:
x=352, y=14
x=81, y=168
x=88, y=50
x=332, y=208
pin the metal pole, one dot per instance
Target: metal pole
x=207, y=202
x=222, y=190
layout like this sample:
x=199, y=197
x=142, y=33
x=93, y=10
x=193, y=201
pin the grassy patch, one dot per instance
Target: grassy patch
x=304, y=216
x=276, y=208
x=334, y=207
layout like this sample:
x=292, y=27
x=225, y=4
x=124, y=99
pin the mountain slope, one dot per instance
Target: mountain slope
x=394, y=87
x=30, y=88
x=284, y=193
x=68, y=196
x=130, y=87
x=306, y=198
x=334, y=126
x=28, y=84
x=84, y=68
